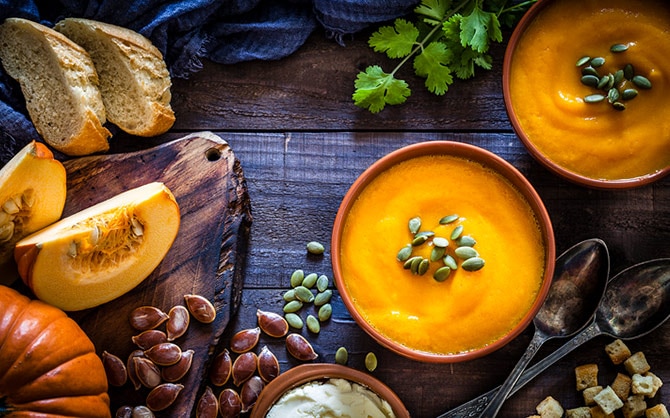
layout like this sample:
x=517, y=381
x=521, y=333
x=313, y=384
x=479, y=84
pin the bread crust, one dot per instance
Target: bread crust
x=134, y=79
x=65, y=67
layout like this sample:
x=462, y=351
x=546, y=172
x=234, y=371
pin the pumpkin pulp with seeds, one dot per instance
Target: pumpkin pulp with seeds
x=468, y=310
x=548, y=97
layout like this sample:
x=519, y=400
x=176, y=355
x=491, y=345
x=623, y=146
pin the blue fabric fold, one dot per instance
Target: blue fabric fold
x=188, y=31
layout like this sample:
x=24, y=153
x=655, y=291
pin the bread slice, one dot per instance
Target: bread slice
x=134, y=79
x=59, y=82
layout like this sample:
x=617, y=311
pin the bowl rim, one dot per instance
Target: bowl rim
x=555, y=168
x=487, y=159
x=304, y=373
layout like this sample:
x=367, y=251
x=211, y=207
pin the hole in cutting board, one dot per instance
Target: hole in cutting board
x=213, y=154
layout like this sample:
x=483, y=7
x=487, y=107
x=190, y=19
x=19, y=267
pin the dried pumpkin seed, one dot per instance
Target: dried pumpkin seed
x=272, y=323
x=448, y=219
x=325, y=312
x=590, y=80
x=437, y=253
x=440, y=242
x=293, y=306
x=466, y=241
x=619, y=106
x=628, y=71
x=466, y=252
x=201, y=308
x=297, y=277
x=341, y=356
x=629, y=94
x=404, y=253
x=597, y=62
x=294, y=320
x=371, y=361
x=419, y=240
x=322, y=283
x=473, y=264
x=594, y=98
x=619, y=48
x=289, y=295
x=313, y=324
x=590, y=71
x=456, y=232
x=323, y=297
x=315, y=247
x=618, y=76
x=310, y=280
x=414, y=267
x=414, y=225
x=423, y=267
x=442, y=274
x=613, y=95
x=304, y=294
x=300, y=348
x=450, y=262
x=583, y=60
x=604, y=80
x=408, y=264
x=641, y=81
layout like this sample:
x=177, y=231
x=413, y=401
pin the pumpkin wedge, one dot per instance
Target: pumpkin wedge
x=101, y=252
x=32, y=196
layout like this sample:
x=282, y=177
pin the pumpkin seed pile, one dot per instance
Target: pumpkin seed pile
x=306, y=289
x=464, y=250
x=616, y=88
x=14, y=213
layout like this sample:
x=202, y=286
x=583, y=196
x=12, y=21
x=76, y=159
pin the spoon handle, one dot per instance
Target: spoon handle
x=474, y=407
x=498, y=399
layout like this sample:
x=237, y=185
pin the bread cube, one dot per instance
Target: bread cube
x=634, y=406
x=621, y=385
x=597, y=412
x=617, y=351
x=590, y=393
x=549, y=408
x=642, y=385
x=581, y=412
x=608, y=400
x=637, y=363
x=657, y=411
x=657, y=383
x=586, y=376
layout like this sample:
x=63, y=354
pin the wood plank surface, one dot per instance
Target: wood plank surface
x=301, y=143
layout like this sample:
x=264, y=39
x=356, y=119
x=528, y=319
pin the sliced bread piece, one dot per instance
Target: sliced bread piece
x=59, y=82
x=134, y=79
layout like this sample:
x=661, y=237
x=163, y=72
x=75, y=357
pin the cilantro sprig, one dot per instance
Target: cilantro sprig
x=449, y=38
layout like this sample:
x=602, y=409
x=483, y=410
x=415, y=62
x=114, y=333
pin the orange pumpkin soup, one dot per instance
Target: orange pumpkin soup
x=468, y=310
x=549, y=98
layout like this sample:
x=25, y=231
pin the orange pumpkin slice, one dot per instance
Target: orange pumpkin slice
x=32, y=196
x=102, y=252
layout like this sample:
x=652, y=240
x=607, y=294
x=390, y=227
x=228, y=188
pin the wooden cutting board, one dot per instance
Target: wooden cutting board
x=206, y=258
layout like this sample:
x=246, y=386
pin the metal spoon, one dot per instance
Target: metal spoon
x=636, y=302
x=578, y=285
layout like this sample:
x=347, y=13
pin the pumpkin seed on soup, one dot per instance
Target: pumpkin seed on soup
x=448, y=219
x=414, y=225
x=404, y=253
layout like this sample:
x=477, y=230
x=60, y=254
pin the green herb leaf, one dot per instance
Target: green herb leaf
x=434, y=10
x=433, y=64
x=478, y=28
x=375, y=89
x=397, y=41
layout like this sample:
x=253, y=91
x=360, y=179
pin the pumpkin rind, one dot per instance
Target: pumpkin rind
x=48, y=365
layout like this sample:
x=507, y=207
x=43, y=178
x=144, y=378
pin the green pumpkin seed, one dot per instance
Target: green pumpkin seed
x=313, y=324
x=293, y=306
x=414, y=268
x=297, y=277
x=590, y=71
x=408, y=263
x=597, y=62
x=466, y=241
x=294, y=320
x=448, y=219
x=423, y=267
x=304, y=294
x=641, y=81
x=629, y=94
x=419, y=240
x=441, y=242
x=323, y=297
x=315, y=247
x=341, y=356
x=594, y=98
x=371, y=361
x=618, y=76
x=466, y=253
x=414, y=225
x=325, y=312
x=322, y=283
x=310, y=280
x=603, y=82
x=404, y=253
x=590, y=80
x=619, y=47
x=619, y=106
x=437, y=253
x=613, y=95
x=583, y=60
x=450, y=262
x=289, y=295
x=473, y=264
x=456, y=232
x=628, y=71
x=442, y=274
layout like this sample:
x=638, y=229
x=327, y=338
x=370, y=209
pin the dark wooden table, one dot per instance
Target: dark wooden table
x=302, y=143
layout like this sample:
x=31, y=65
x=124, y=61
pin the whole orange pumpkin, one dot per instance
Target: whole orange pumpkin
x=48, y=365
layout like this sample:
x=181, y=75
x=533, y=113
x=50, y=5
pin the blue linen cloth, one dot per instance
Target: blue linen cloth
x=187, y=31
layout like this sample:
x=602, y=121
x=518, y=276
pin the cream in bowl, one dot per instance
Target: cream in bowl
x=585, y=85
x=325, y=390
x=481, y=234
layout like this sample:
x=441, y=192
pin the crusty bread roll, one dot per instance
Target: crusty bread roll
x=59, y=82
x=134, y=79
